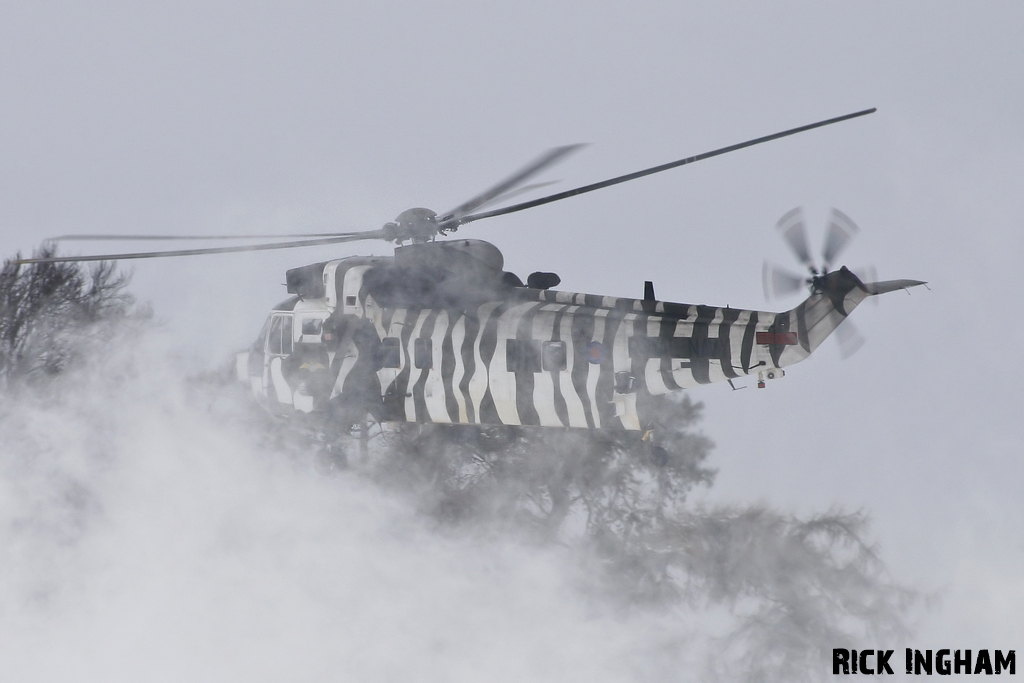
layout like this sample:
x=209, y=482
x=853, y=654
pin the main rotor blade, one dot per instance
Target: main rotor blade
x=85, y=238
x=517, y=192
x=778, y=282
x=657, y=169
x=534, y=167
x=373, y=234
x=791, y=225
x=840, y=231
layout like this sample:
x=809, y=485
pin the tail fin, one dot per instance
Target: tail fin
x=887, y=286
x=838, y=293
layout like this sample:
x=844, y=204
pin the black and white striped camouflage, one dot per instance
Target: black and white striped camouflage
x=590, y=361
x=616, y=349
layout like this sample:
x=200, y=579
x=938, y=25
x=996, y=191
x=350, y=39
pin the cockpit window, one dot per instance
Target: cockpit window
x=312, y=326
x=279, y=337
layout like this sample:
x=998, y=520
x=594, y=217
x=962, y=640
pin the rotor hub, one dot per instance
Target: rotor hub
x=418, y=225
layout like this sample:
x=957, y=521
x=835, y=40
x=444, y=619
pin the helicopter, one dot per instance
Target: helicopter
x=440, y=333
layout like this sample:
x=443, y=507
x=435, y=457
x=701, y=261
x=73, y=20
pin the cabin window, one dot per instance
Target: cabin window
x=554, y=356
x=279, y=337
x=522, y=356
x=274, y=336
x=312, y=326
x=391, y=352
x=625, y=383
x=286, y=335
x=423, y=357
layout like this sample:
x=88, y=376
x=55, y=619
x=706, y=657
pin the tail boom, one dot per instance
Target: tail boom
x=837, y=294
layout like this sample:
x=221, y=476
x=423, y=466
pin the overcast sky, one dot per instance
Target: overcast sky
x=205, y=117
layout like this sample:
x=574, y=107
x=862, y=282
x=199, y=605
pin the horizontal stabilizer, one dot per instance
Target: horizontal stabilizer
x=891, y=286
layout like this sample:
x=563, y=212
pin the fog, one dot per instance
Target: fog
x=149, y=533
x=155, y=524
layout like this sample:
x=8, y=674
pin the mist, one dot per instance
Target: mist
x=151, y=529
x=156, y=524
x=148, y=534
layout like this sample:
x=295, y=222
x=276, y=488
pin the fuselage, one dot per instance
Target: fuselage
x=514, y=355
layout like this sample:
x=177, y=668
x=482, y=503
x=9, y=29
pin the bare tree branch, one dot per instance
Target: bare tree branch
x=47, y=311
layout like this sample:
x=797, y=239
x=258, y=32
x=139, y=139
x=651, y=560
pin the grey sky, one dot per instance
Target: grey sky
x=233, y=116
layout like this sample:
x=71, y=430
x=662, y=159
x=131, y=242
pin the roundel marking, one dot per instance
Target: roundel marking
x=595, y=352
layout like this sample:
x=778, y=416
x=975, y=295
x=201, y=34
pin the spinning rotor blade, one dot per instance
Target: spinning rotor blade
x=778, y=282
x=546, y=159
x=840, y=231
x=422, y=224
x=85, y=238
x=372, y=234
x=850, y=340
x=519, y=191
x=656, y=169
x=791, y=225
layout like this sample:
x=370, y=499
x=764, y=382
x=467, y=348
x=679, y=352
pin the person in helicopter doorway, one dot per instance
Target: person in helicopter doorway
x=359, y=392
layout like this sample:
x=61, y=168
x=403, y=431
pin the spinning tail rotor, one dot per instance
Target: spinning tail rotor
x=779, y=282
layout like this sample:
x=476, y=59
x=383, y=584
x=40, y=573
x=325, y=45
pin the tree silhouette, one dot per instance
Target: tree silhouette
x=49, y=311
x=793, y=588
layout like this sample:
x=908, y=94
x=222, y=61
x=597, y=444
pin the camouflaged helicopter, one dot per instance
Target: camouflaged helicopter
x=440, y=333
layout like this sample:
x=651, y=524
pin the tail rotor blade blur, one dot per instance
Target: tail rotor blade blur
x=840, y=231
x=791, y=225
x=778, y=282
x=850, y=340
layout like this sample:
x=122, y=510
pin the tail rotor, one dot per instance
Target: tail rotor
x=850, y=340
x=839, y=233
x=779, y=282
x=791, y=225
